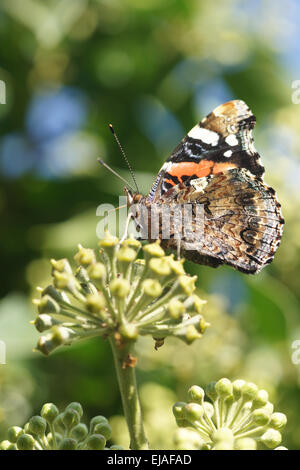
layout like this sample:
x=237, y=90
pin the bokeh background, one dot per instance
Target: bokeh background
x=153, y=68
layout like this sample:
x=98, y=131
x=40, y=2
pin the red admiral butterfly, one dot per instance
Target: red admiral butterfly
x=216, y=165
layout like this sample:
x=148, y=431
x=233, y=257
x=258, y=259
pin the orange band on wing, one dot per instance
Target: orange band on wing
x=201, y=169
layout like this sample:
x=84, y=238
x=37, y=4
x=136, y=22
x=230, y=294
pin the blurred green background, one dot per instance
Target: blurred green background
x=153, y=68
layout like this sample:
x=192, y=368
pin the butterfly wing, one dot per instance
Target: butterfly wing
x=242, y=224
x=221, y=141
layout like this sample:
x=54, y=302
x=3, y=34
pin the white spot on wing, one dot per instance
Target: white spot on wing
x=231, y=140
x=228, y=153
x=207, y=136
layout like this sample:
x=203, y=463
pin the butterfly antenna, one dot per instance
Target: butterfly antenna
x=124, y=156
x=114, y=173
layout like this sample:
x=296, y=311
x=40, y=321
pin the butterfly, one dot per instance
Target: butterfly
x=216, y=168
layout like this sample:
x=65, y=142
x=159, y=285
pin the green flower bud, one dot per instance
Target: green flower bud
x=176, y=308
x=152, y=288
x=97, y=271
x=97, y=420
x=61, y=265
x=85, y=256
x=198, y=303
x=68, y=444
x=191, y=334
x=196, y=394
x=49, y=412
x=176, y=266
x=126, y=254
x=237, y=386
x=154, y=249
x=261, y=399
x=109, y=241
x=120, y=287
x=13, y=433
x=187, y=284
x=223, y=388
x=79, y=432
x=245, y=443
x=160, y=266
x=278, y=420
x=4, y=445
x=211, y=391
x=25, y=442
x=95, y=302
x=249, y=391
x=193, y=412
x=70, y=418
x=44, y=322
x=96, y=442
x=65, y=281
x=261, y=416
x=104, y=429
x=37, y=425
x=178, y=410
x=48, y=305
x=75, y=406
x=271, y=438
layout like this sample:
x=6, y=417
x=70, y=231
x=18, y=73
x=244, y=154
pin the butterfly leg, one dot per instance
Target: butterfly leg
x=178, y=248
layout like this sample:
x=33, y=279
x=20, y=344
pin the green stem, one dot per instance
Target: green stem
x=130, y=399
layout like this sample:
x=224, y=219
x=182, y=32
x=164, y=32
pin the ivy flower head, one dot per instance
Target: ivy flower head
x=237, y=416
x=115, y=293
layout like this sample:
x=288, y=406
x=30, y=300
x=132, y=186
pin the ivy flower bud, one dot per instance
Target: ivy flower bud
x=37, y=425
x=237, y=386
x=278, y=421
x=176, y=308
x=261, y=399
x=61, y=265
x=196, y=394
x=96, y=442
x=153, y=250
x=261, y=416
x=25, y=442
x=223, y=388
x=95, y=302
x=160, y=266
x=85, y=256
x=104, y=429
x=43, y=322
x=79, y=432
x=75, y=406
x=48, y=305
x=152, y=288
x=249, y=391
x=67, y=444
x=97, y=271
x=193, y=412
x=49, y=412
x=13, y=433
x=120, y=287
x=187, y=284
x=271, y=438
x=70, y=418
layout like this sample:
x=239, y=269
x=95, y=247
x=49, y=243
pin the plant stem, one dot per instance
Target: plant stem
x=129, y=393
